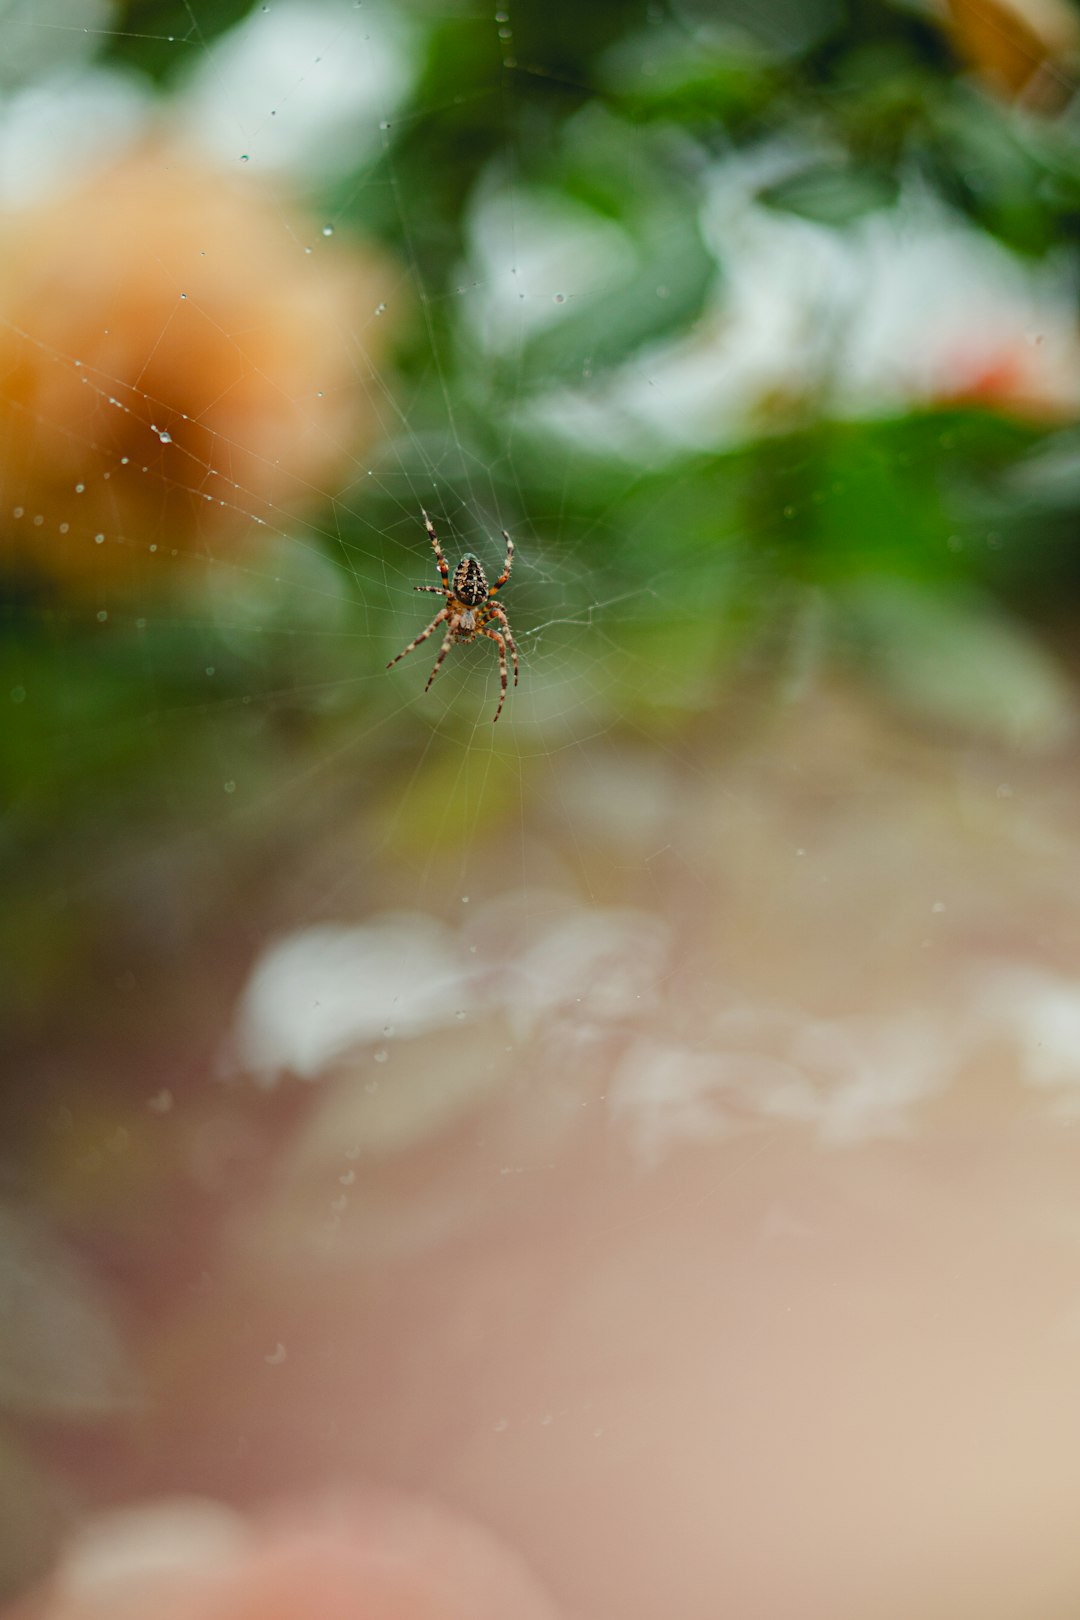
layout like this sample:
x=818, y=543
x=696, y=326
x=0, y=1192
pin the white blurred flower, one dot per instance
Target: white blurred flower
x=850, y=1080
x=532, y=254
x=301, y=88
x=906, y=306
x=321, y=991
x=56, y=130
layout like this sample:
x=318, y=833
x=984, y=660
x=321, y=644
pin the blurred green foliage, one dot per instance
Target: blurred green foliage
x=619, y=112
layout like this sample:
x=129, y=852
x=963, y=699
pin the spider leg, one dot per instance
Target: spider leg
x=436, y=590
x=436, y=621
x=439, y=558
x=495, y=636
x=495, y=612
x=505, y=575
x=443, y=650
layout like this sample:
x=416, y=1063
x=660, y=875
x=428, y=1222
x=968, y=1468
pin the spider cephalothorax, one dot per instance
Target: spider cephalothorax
x=468, y=609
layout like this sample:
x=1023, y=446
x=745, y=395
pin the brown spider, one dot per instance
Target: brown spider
x=468, y=609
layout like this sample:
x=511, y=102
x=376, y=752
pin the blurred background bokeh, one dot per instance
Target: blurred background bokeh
x=645, y=1125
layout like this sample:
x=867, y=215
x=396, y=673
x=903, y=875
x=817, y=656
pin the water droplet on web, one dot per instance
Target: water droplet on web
x=789, y=511
x=464, y=899
x=380, y=1056
x=460, y=1016
x=560, y=298
x=385, y=124
x=230, y=787
x=18, y=511
x=64, y=527
x=380, y=309
x=102, y=615
x=79, y=488
x=388, y=1030
x=245, y=157
x=371, y=1087
x=506, y=33
x=328, y=230
x=99, y=539
x=166, y=438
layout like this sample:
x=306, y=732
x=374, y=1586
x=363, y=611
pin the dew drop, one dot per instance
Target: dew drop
x=380, y=1056
x=328, y=230
x=99, y=539
x=245, y=157
x=560, y=298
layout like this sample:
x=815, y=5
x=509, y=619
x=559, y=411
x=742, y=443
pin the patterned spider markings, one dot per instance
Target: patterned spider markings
x=468, y=610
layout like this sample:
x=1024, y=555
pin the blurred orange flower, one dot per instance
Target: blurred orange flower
x=181, y=357
x=378, y=1555
x=1023, y=49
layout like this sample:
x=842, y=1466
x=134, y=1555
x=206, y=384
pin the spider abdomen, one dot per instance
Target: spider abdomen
x=470, y=582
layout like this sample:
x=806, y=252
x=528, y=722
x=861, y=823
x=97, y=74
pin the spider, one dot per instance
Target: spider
x=468, y=609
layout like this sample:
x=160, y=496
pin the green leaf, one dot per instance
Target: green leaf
x=833, y=194
x=159, y=37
